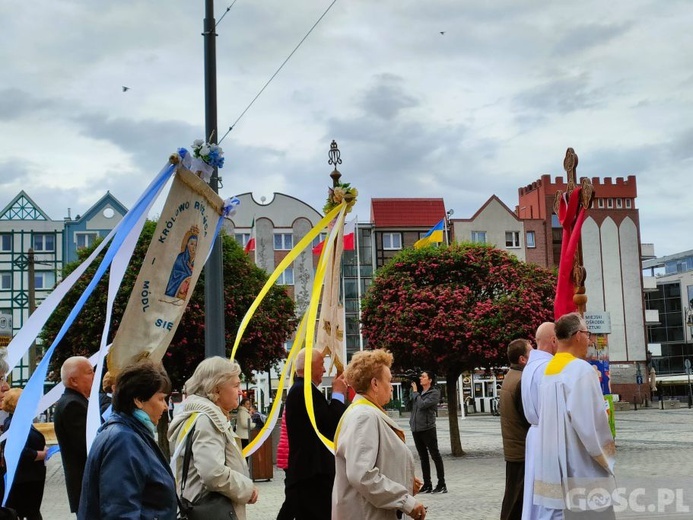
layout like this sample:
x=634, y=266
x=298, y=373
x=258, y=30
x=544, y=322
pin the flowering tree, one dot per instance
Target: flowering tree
x=455, y=308
x=263, y=341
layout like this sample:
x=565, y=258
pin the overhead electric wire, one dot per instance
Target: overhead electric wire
x=225, y=13
x=278, y=70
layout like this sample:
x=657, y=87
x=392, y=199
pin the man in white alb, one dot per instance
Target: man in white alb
x=574, y=463
x=532, y=376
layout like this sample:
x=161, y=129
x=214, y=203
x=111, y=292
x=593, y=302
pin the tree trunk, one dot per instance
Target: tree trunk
x=455, y=442
x=162, y=434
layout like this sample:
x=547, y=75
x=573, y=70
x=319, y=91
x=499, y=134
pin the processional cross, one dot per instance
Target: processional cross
x=579, y=273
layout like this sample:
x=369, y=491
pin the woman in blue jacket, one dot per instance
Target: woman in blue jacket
x=127, y=476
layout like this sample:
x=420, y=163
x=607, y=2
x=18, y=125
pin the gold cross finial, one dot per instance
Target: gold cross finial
x=570, y=166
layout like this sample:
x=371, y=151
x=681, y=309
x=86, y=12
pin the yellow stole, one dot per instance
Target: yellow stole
x=558, y=363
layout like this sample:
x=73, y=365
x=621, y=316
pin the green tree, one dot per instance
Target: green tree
x=263, y=342
x=455, y=308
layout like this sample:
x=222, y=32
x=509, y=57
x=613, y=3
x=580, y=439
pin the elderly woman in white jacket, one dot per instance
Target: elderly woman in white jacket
x=374, y=477
x=217, y=463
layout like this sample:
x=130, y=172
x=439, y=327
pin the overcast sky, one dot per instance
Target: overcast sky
x=486, y=107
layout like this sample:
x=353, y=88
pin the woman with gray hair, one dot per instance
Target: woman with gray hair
x=216, y=464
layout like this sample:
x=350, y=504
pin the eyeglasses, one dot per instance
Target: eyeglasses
x=589, y=334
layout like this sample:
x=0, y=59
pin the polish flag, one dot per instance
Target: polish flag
x=349, y=238
x=250, y=245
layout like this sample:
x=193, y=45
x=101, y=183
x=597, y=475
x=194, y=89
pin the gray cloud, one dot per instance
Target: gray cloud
x=16, y=103
x=562, y=95
x=587, y=36
x=681, y=147
x=150, y=142
x=387, y=98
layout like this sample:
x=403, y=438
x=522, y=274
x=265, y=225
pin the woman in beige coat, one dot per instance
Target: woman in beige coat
x=374, y=468
x=217, y=463
x=244, y=423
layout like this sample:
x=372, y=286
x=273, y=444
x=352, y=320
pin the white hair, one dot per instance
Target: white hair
x=70, y=368
x=209, y=374
x=4, y=367
x=300, y=361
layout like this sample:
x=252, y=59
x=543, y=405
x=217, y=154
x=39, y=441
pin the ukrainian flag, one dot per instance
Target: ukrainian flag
x=434, y=235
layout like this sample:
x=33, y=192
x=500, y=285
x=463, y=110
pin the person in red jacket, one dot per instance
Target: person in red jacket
x=287, y=511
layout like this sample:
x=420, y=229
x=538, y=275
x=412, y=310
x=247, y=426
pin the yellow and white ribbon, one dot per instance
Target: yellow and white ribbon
x=306, y=330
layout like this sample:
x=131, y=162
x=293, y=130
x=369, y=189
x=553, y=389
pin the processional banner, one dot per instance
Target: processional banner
x=181, y=243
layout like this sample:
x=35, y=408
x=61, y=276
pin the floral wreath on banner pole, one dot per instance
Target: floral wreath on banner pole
x=340, y=201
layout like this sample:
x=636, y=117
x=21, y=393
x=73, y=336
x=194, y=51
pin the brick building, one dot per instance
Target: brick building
x=611, y=252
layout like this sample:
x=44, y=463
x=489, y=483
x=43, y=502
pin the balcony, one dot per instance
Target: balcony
x=651, y=317
x=649, y=283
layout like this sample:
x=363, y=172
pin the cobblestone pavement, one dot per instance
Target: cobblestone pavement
x=654, y=449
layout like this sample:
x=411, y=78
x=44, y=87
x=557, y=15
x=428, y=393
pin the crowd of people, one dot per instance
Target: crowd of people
x=553, y=423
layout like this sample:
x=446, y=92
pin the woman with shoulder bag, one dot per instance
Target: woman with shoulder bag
x=216, y=463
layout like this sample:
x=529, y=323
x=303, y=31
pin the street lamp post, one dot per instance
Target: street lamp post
x=687, y=361
x=687, y=364
x=215, y=329
x=448, y=214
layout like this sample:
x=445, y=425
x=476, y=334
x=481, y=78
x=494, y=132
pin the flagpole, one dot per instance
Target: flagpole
x=358, y=278
x=344, y=317
x=254, y=231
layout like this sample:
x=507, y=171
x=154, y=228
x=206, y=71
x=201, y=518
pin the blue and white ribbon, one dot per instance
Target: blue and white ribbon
x=28, y=402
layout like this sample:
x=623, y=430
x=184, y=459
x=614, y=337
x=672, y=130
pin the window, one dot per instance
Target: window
x=512, y=239
x=44, y=279
x=44, y=242
x=479, y=237
x=609, y=203
x=287, y=277
x=619, y=203
x=85, y=239
x=531, y=239
x=5, y=280
x=242, y=238
x=283, y=241
x=600, y=203
x=5, y=242
x=320, y=238
x=628, y=204
x=392, y=241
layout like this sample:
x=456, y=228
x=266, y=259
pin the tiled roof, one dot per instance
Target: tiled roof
x=402, y=213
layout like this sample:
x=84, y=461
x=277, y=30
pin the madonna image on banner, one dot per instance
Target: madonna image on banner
x=182, y=270
x=183, y=238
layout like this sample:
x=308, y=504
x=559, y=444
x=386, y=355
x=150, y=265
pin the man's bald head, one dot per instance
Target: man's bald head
x=546, y=337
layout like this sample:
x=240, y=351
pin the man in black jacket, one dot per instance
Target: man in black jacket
x=310, y=475
x=70, y=423
x=423, y=427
